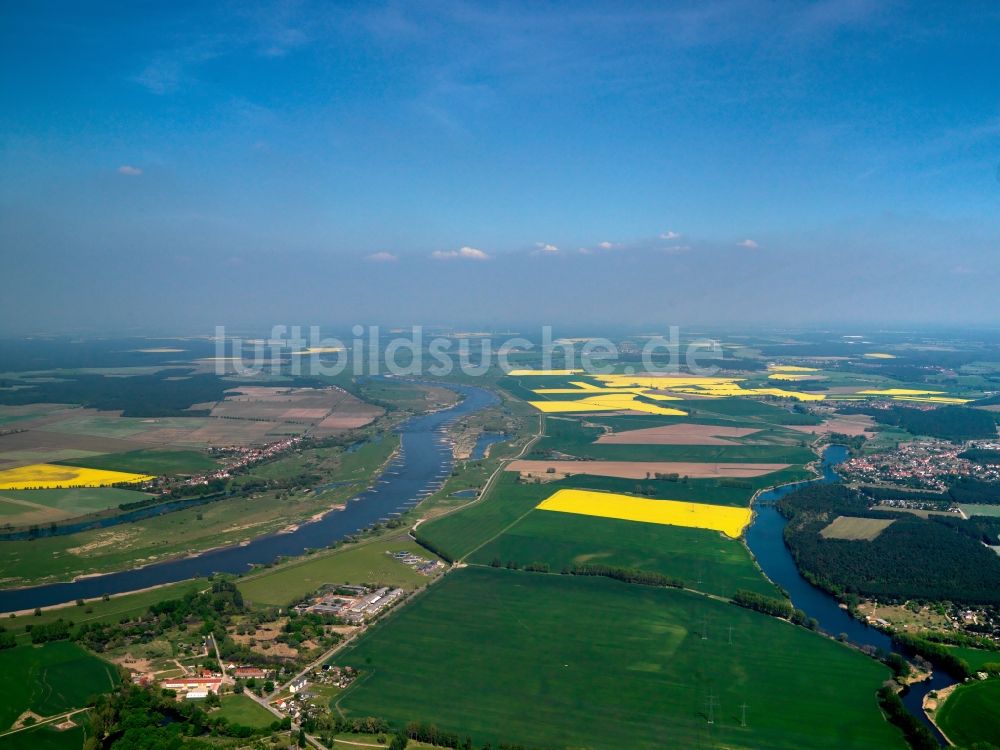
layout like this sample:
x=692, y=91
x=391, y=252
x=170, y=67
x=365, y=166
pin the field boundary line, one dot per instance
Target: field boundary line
x=489, y=482
x=46, y=721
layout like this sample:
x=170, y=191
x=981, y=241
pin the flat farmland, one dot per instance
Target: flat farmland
x=113, y=425
x=364, y=563
x=981, y=510
x=642, y=666
x=642, y=469
x=239, y=709
x=329, y=409
x=972, y=714
x=765, y=454
x=21, y=507
x=458, y=534
x=849, y=527
x=683, y=433
x=703, y=560
x=49, y=679
x=55, y=476
x=149, y=461
x=728, y=519
x=48, y=737
x=976, y=657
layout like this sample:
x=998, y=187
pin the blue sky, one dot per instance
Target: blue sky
x=627, y=163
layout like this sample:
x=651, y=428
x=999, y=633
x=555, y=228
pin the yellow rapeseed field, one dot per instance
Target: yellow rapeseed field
x=543, y=372
x=703, y=386
x=608, y=402
x=50, y=476
x=791, y=368
x=662, y=382
x=879, y=355
x=729, y=520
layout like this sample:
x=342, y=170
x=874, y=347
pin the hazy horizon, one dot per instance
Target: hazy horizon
x=172, y=168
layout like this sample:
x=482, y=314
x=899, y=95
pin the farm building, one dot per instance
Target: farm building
x=193, y=684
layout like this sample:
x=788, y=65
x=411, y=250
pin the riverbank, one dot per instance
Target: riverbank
x=422, y=463
x=765, y=538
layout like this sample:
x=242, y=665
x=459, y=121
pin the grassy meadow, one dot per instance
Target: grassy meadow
x=239, y=709
x=595, y=663
x=150, y=461
x=49, y=679
x=972, y=714
x=363, y=563
x=703, y=560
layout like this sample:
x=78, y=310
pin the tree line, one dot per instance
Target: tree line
x=914, y=558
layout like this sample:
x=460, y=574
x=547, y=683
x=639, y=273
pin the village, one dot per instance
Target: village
x=922, y=464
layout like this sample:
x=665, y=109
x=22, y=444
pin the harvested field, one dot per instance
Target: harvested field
x=641, y=469
x=678, y=434
x=725, y=518
x=327, y=409
x=853, y=425
x=39, y=446
x=852, y=528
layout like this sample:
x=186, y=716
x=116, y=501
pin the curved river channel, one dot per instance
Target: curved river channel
x=766, y=541
x=421, y=465
x=418, y=469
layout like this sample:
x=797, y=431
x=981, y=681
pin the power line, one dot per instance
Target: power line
x=743, y=715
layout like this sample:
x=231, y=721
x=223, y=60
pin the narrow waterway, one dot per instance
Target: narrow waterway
x=419, y=468
x=766, y=541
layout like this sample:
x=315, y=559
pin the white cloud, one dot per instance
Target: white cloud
x=748, y=244
x=465, y=253
x=382, y=257
x=676, y=249
x=670, y=235
x=605, y=245
x=544, y=248
x=129, y=171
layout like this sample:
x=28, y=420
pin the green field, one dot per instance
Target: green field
x=976, y=657
x=49, y=679
x=459, y=534
x=981, y=510
x=149, y=461
x=972, y=714
x=239, y=709
x=575, y=662
x=364, y=563
x=121, y=427
x=713, y=491
x=704, y=560
x=570, y=436
x=75, y=501
x=47, y=737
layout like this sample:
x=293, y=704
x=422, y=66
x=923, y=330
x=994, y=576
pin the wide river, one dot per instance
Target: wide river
x=420, y=466
x=766, y=541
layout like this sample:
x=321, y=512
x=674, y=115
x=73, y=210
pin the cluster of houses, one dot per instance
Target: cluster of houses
x=923, y=464
x=354, y=604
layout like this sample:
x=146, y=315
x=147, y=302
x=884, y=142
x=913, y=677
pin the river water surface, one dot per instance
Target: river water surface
x=421, y=465
x=766, y=541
